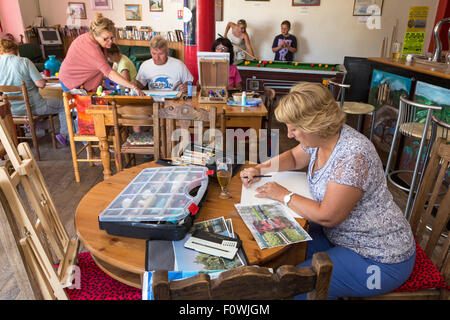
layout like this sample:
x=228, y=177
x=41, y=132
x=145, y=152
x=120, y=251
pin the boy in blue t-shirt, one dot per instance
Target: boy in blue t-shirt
x=285, y=44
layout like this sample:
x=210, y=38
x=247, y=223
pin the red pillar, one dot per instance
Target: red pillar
x=199, y=31
x=443, y=11
x=206, y=24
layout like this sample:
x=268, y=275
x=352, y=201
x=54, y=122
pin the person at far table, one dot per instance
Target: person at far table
x=162, y=72
x=239, y=37
x=14, y=70
x=285, y=44
x=121, y=63
x=234, y=78
x=352, y=216
x=86, y=63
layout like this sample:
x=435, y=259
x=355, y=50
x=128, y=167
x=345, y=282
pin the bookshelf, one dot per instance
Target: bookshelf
x=125, y=39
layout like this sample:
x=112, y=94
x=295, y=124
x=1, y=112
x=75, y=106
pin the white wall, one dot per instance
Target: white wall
x=55, y=12
x=326, y=33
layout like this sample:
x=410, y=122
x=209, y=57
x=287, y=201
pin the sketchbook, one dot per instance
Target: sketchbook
x=292, y=180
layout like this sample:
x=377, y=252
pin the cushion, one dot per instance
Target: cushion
x=140, y=139
x=97, y=285
x=425, y=275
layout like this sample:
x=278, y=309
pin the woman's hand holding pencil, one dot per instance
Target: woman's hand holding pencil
x=251, y=175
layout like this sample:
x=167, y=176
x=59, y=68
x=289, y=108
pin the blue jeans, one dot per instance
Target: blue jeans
x=353, y=275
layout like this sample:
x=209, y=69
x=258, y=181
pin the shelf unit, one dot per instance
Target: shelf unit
x=177, y=46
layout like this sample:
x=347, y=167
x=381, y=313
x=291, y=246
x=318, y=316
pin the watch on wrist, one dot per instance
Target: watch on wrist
x=287, y=198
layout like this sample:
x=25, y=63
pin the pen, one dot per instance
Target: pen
x=261, y=176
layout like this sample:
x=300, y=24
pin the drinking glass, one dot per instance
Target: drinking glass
x=224, y=173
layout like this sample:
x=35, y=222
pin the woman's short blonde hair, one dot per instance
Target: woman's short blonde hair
x=8, y=46
x=159, y=42
x=242, y=22
x=101, y=24
x=312, y=108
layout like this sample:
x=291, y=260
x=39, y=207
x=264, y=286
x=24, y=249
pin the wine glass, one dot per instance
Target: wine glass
x=224, y=173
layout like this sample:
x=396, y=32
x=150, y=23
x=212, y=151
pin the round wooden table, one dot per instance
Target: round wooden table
x=123, y=258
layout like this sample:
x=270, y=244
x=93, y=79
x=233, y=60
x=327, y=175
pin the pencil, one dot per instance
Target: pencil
x=261, y=176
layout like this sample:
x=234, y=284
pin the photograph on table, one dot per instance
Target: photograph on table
x=77, y=10
x=305, y=3
x=367, y=7
x=385, y=91
x=101, y=4
x=133, y=12
x=156, y=5
x=271, y=225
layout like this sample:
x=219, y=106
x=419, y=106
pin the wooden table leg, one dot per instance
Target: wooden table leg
x=106, y=157
x=100, y=132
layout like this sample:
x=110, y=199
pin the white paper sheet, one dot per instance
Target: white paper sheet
x=168, y=94
x=292, y=180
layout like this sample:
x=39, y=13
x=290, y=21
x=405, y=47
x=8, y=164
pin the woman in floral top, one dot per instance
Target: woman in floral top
x=353, y=216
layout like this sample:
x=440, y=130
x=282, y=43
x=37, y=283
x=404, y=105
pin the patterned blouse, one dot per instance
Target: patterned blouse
x=376, y=228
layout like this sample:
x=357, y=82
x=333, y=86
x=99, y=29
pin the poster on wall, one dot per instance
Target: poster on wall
x=415, y=31
x=385, y=91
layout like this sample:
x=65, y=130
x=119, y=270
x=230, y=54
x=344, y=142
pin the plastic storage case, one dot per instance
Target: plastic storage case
x=157, y=204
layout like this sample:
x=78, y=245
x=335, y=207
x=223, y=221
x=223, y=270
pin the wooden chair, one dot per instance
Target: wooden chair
x=29, y=119
x=5, y=114
x=428, y=198
x=86, y=139
x=250, y=282
x=128, y=116
x=183, y=116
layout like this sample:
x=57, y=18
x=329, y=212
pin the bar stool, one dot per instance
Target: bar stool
x=407, y=126
x=351, y=107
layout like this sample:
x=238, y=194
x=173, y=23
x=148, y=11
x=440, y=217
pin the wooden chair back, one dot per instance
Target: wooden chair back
x=21, y=94
x=173, y=116
x=90, y=141
x=126, y=116
x=43, y=239
x=429, y=197
x=5, y=114
x=269, y=102
x=250, y=282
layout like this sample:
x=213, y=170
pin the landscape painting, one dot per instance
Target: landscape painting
x=385, y=91
x=429, y=94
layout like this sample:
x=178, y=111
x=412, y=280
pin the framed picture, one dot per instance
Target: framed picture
x=133, y=12
x=156, y=5
x=298, y=3
x=101, y=4
x=77, y=10
x=367, y=7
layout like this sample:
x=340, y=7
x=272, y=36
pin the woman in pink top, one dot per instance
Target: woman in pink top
x=86, y=63
x=234, y=78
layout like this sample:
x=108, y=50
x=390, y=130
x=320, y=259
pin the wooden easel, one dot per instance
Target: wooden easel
x=45, y=242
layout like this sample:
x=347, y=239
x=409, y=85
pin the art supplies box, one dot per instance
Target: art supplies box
x=213, y=80
x=159, y=204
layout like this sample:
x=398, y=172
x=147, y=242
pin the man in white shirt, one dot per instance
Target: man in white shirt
x=162, y=72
